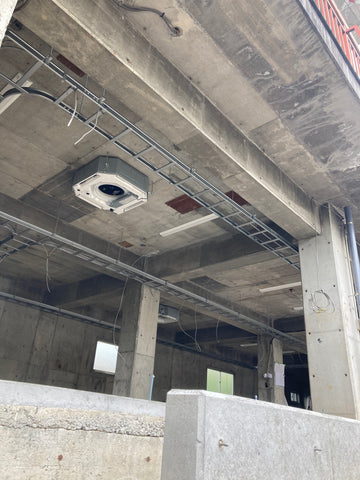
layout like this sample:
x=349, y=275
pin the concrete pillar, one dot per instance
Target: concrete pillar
x=137, y=342
x=269, y=353
x=332, y=328
x=7, y=8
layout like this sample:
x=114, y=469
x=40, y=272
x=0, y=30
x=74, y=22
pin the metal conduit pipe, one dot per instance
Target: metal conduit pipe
x=111, y=264
x=99, y=323
x=57, y=311
x=354, y=255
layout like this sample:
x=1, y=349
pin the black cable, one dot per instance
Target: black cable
x=32, y=91
x=175, y=31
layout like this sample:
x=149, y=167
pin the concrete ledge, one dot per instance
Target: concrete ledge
x=18, y=393
x=49, y=432
x=214, y=436
x=19, y=417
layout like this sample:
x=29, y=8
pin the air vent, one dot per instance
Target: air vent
x=111, y=184
x=168, y=314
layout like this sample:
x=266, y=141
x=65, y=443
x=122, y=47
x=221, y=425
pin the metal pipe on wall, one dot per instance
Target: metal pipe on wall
x=355, y=266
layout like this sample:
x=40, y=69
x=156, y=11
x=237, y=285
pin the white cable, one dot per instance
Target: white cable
x=197, y=346
x=74, y=111
x=89, y=131
x=47, y=276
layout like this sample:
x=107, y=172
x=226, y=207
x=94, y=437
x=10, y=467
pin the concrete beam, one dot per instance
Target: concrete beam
x=65, y=24
x=20, y=210
x=208, y=258
x=228, y=334
x=222, y=334
x=174, y=266
x=241, y=318
x=211, y=297
x=84, y=292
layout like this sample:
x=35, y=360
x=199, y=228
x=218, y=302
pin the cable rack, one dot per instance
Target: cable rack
x=24, y=235
x=162, y=162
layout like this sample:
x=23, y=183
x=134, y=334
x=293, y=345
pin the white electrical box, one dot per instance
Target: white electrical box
x=111, y=184
x=168, y=314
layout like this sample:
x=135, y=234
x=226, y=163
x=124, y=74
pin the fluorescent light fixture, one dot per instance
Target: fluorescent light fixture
x=193, y=223
x=248, y=345
x=5, y=104
x=280, y=287
x=298, y=308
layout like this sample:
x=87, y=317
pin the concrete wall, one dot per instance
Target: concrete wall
x=44, y=348
x=180, y=369
x=212, y=436
x=49, y=432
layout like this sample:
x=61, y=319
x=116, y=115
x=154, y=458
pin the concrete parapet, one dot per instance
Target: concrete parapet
x=17, y=393
x=214, y=436
x=49, y=432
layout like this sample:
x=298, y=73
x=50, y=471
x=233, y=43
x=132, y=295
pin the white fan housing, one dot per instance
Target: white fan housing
x=111, y=184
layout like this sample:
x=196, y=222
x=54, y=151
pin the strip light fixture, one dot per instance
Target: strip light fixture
x=185, y=226
x=280, y=287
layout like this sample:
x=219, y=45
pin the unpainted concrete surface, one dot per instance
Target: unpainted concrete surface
x=18, y=393
x=6, y=11
x=42, y=442
x=212, y=436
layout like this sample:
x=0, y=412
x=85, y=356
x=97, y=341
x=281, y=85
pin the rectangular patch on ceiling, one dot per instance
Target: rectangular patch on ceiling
x=70, y=65
x=183, y=204
x=236, y=197
x=126, y=244
x=186, y=204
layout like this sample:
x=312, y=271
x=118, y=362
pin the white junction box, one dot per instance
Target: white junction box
x=111, y=184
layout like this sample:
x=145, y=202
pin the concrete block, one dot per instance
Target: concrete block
x=60, y=443
x=213, y=436
x=16, y=393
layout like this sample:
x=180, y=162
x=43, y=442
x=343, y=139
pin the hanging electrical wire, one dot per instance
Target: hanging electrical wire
x=75, y=109
x=91, y=129
x=197, y=346
x=174, y=31
x=47, y=275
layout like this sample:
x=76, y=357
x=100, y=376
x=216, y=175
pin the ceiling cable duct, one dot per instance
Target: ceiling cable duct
x=226, y=208
x=57, y=311
x=100, y=323
x=116, y=267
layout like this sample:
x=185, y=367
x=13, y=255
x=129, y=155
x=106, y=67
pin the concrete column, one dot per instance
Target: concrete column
x=332, y=328
x=269, y=353
x=137, y=342
x=7, y=8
